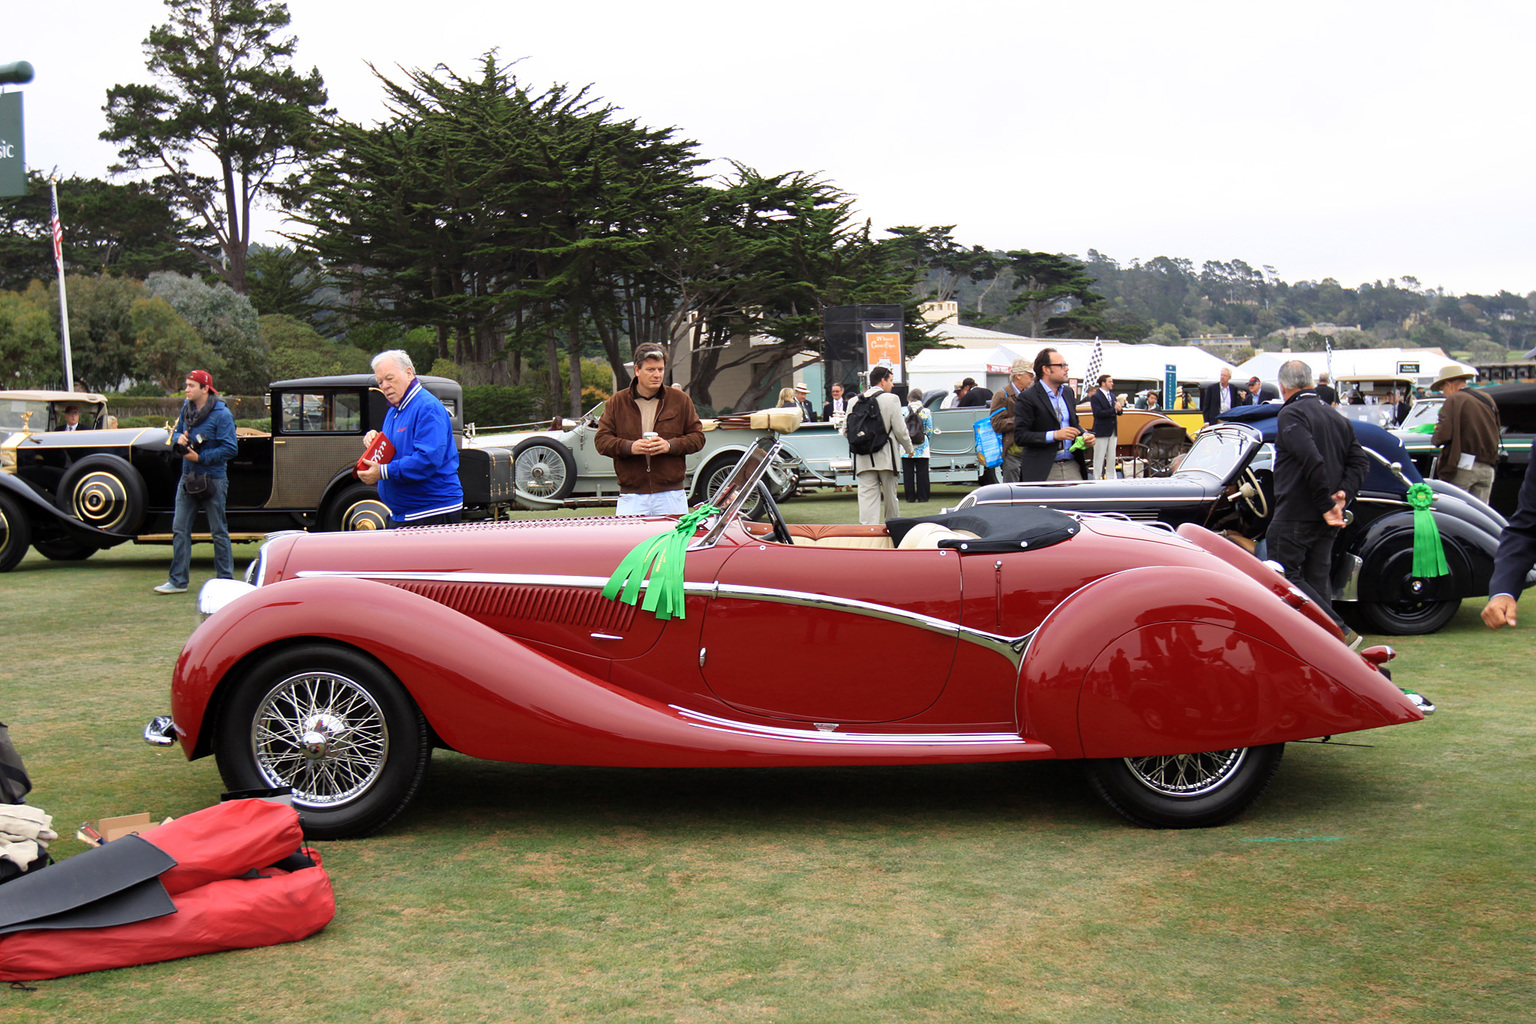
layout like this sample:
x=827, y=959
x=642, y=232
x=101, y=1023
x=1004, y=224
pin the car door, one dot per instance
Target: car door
x=836, y=635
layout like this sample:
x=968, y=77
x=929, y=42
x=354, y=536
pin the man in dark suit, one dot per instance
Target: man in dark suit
x=1319, y=466
x=1218, y=398
x=1045, y=424
x=839, y=405
x=1106, y=414
x=1517, y=553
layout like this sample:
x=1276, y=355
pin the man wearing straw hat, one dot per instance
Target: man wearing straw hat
x=1467, y=434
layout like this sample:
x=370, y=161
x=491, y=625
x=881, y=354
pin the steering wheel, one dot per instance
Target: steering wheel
x=780, y=532
x=1252, y=494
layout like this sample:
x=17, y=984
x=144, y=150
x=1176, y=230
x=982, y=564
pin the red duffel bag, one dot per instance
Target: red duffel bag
x=227, y=895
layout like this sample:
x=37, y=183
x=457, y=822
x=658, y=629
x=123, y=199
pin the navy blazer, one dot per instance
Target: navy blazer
x=1210, y=400
x=1104, y=413
x=1033, y=417
x=1517, y=544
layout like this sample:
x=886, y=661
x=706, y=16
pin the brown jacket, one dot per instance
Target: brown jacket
x=1469, y=422
x=676, y=421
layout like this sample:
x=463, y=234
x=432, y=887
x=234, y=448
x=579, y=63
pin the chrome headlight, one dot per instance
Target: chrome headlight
x=218, y=593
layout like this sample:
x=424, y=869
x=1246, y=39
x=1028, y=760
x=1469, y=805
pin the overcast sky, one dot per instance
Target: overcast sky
x=1358, y=140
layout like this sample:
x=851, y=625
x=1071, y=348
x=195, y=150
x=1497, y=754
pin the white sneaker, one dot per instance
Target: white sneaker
x=170, y=588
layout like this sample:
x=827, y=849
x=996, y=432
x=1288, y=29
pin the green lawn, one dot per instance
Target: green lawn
x=1385, y=881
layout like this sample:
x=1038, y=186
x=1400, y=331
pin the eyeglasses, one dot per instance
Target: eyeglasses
x=1061, y=366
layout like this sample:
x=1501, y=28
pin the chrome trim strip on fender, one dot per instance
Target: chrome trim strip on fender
x=1005, y=740
x=1010, y=647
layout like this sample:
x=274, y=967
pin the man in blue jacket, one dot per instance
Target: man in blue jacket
x=1517, y=553
x=420, y=479
x=205, y=437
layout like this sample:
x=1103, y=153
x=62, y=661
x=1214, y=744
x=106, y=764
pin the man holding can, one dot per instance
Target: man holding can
x=648, y=430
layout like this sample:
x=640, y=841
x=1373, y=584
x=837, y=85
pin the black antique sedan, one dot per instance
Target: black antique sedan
x=70, y=494
x=1224, y=484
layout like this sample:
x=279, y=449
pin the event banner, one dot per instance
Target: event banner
x=13, y=162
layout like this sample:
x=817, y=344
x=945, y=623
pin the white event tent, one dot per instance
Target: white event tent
x=1422, y=364
x=987, y=356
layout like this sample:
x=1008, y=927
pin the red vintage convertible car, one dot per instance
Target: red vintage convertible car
x=1175, y=665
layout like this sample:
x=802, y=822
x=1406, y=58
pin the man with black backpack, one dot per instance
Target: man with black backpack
x=875, y=427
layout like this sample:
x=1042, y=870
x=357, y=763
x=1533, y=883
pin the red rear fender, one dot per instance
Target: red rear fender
x=1179, y=659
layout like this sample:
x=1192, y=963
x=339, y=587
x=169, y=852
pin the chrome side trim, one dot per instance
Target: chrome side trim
x=160, y=731
x=1010, y=647
x=1000, y=739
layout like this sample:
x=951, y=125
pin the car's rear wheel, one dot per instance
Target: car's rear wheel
x=1185, y=790
x=544, y=468
x=357, y=508
x=333, y=725
x=64, y=550
x=15, y=533
x=1411, y=616
x=103, y=491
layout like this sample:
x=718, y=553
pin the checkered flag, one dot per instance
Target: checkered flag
x=1095, y=367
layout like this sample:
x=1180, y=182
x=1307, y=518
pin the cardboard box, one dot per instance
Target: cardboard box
x=94, y=833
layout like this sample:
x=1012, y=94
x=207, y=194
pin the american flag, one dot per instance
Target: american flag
x=58, y=235
x=1095, y=367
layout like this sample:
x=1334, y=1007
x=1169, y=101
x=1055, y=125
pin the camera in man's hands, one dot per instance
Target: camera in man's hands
x=196, y=445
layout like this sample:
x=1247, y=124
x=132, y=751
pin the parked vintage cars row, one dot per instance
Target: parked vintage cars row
x=70, y=494
x=1174, y=666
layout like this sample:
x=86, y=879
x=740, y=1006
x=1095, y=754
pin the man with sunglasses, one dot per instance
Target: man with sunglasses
x=1045, y=425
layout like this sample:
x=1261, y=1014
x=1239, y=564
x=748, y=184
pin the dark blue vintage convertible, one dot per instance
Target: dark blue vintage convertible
x=1224, y=483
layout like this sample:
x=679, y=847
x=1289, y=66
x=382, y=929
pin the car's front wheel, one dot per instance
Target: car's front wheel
x=544, y=468
x=15, y=533
x=333, y=725
x=1185, y=790
x=1411, y=616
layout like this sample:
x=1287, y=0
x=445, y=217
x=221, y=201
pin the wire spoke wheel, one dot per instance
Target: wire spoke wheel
x=1186, y=775
x=321, y=734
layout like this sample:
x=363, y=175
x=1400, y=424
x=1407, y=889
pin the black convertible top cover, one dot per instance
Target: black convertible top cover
x=998, y=528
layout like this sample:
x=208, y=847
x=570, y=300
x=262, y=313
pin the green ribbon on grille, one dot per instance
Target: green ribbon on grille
x=662, y=557
x=1428, y=551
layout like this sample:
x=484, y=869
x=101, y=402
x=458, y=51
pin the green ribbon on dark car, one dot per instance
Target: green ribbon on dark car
x=1428, y=551
x=662, y=557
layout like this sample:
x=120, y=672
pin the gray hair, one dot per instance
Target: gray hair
x=1295, y=375
x=399, y=356
x=915, y=395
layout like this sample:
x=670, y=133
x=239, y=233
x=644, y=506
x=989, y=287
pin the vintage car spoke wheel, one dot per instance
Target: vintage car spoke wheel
x=1412, y=616
x=357, y=508
x=544, y=468
x=715, y=474
x=64, y=550
x=330, y=723
x=1185, y=790
x=103, y=491
x=15, y=533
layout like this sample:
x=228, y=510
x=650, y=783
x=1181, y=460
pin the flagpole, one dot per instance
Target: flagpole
x=58, y=262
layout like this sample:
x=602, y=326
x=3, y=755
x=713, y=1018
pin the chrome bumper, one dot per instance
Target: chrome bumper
x=160, y=732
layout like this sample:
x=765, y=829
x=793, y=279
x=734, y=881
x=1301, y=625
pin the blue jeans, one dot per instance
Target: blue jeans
x=181, y=531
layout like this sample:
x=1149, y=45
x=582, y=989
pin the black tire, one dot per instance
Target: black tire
x=104, y=491
x=544, y=468
x=1405, y=618
x=356, y=508
x=369, y=740
x=1185, y=790
x=64, y=550
x=15, y=532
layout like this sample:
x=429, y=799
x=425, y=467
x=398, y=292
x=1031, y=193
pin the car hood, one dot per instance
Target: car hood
x=576, y=546
x=513, y=438
x=1124, y=495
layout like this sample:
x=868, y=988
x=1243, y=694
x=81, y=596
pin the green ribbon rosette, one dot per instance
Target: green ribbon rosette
x=662, y=558
x=1428, y=551
x=1078, y=444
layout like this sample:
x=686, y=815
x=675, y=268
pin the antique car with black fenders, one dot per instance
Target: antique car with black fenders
x=70, y=494
x=1175, y=666
x=1223, y=484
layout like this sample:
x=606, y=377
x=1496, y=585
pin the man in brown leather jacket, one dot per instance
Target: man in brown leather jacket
x=648, y=430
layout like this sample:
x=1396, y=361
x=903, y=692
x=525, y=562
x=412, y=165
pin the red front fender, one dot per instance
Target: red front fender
x=1175, y=659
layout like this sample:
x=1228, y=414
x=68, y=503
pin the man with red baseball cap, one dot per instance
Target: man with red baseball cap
x=205, y=438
